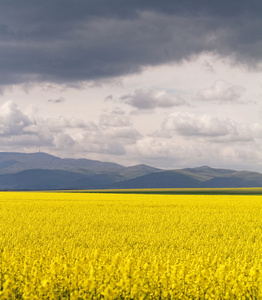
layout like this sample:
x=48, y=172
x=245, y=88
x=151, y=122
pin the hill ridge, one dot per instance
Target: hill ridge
x=42, y=171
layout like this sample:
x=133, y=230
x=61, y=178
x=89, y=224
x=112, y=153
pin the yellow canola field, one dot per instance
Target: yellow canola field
x=107, y=246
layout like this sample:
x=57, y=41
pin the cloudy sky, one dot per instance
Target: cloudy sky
x=167, y=83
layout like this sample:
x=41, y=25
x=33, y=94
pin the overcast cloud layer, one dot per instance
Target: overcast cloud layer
x=170, y=83
x=69, y=41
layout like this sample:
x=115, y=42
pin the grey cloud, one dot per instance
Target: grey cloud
x=96, y=144
x=182, y=152
x=216, y=129
x=58, y=100
x=25, y=143
x=150, y=99
x=12, y=120
x=20, y=131
x=109, y=98
x=118, y=128
x=111, y=136
x=125, y=135
x=69, y=41
x=63, y=141
x=207, y=66
x=60, y=123
x=101, y=142
x=221, y=92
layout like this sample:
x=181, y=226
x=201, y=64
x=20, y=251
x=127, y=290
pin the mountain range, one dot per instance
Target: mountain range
x=42, y=171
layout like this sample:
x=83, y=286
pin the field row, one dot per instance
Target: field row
x=178, y=191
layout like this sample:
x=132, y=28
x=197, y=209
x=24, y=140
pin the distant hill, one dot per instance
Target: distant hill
x=205, y=173
x=36, y=179
x=180, y=179
x=235, y=179
x=12, y=162
x=163, y=179
x=41, y=171
x=138, y=170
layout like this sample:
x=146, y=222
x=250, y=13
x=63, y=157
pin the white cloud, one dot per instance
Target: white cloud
x=221, y=92
x=187, y=124
x=99, y=144
x=209, y=128
x=150, y=99
x=63, y=141
x=124, y=135
x=12, y=120
x=257, y=130
x=114, y=120
x=111, y=135
x=189, y=151
x=62, y=123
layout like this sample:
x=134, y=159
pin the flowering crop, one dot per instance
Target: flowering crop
x=106, y=246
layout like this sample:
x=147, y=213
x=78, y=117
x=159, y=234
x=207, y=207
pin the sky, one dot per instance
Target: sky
x=168, y=83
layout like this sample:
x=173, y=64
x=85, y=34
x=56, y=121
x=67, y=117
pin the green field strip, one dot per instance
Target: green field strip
x=177, y=191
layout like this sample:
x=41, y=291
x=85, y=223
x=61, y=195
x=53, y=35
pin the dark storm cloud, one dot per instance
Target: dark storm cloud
x=68, y=41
